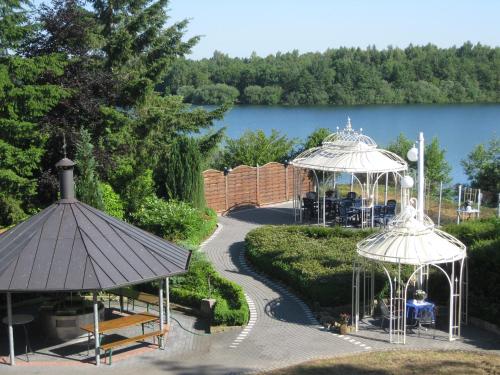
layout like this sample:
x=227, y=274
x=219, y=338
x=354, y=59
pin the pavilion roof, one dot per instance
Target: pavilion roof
x=71, y=246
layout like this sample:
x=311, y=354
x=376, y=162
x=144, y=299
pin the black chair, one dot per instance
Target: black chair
x=347, y=215
x=390, y=210
x=310, y=206
x=351, y=195
x=378, y=215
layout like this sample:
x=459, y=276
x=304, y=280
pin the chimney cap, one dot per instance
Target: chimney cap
x=65, y=163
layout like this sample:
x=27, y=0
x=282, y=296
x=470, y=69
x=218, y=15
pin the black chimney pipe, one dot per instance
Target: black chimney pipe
x=66, y=182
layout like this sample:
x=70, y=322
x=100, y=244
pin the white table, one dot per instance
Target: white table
x=22, y=320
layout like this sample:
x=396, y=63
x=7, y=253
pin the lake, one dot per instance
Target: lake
x=458, y=127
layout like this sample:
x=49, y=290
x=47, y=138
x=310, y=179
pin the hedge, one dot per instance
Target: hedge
x=202, y=281
x=315, y=261
x=482, y=238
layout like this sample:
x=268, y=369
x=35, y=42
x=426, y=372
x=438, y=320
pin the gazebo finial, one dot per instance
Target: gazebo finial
x=348, y=126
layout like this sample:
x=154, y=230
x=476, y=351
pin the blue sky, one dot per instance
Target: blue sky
x=239, y=27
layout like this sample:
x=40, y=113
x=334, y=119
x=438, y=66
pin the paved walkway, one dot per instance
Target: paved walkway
x=282, y=330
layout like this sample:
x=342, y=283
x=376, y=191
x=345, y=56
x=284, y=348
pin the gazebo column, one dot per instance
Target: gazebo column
x=97, y=339
x=11, y=330
x=162, y=317
x=167, y=294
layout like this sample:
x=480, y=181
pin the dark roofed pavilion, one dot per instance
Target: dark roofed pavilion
x=71, y=246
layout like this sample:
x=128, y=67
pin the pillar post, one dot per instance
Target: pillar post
x=96, y=330
x=162, y=318
x=167, y=293
x=11, y=330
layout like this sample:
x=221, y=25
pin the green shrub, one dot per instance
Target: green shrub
x=482, y=238
x=112, y=202
x=315, y=261
x=175, y=221
x=10, y=211
x=202, y=281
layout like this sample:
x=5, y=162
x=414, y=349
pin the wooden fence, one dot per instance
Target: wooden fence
x=244, y=185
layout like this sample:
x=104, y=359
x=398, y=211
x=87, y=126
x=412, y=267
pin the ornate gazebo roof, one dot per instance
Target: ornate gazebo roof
x=350, y=151
x=406, y=240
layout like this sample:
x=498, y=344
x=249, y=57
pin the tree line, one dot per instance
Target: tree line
x=343, y=76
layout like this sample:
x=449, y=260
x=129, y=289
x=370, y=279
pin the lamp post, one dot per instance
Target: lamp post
x=417, y=155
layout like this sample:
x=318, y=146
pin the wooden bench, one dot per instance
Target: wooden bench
x=135, y=295
x=108, y=348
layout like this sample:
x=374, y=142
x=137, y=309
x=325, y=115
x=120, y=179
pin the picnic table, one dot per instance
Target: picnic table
x=120, y=323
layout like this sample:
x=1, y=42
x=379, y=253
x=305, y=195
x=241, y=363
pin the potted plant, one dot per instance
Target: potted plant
x=419, y=295
x=343, y=322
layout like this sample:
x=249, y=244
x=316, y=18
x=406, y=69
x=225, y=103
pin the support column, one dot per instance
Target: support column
x=162, y=318
x=96, y=330
x=11, y=330
x=167, y=294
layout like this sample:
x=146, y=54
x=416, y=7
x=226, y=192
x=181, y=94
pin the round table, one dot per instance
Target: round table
x=22, y=320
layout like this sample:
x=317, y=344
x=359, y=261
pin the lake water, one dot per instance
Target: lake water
x=458, y=127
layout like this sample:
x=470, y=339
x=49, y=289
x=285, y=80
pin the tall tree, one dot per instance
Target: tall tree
x=88, y=189
x=482, y=166
x=178, y=173
x=436, y=167
x=24, y=100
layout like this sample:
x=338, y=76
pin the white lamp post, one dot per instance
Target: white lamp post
x=418, y=155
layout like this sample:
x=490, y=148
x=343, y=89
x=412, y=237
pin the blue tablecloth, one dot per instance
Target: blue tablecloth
x=416, y=309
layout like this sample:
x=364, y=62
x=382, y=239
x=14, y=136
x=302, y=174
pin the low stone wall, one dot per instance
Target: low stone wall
x=267, y=184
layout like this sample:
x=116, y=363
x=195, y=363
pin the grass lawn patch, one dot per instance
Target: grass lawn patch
x=315, y=261
x=400, y=363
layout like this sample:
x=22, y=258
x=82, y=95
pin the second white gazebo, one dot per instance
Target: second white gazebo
x=346, y=151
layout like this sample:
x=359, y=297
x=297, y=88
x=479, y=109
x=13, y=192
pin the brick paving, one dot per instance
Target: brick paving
x=282, y=330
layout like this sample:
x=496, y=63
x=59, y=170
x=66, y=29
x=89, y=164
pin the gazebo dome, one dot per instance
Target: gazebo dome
x=351, y=152
x=409, y=241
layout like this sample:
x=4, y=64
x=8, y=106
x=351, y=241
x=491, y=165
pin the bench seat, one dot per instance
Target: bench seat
x=129, y=340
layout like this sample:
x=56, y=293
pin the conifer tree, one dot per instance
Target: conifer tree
x=88, y=189
x=178, y=174
x=24, y=100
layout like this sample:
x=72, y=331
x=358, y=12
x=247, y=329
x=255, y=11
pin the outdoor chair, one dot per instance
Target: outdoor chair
x=351, y=195
x=386, y=314
x=347, y=215
x=378, y=215
x=426, y=318
x=390, y=210
x=310, y=206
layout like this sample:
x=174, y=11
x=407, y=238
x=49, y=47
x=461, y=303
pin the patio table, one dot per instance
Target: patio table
x=119, y=323
x=416, y=309
x=22, y=320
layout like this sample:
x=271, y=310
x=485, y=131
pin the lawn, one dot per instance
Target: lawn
x=400, y=363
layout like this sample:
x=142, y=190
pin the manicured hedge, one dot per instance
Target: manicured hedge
x=202, y=281
x=482, y=238
x=315, y=261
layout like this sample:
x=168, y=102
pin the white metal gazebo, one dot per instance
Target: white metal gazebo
x=347, y=151
x=410, y=240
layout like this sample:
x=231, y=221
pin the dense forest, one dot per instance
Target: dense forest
x=343, y=76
